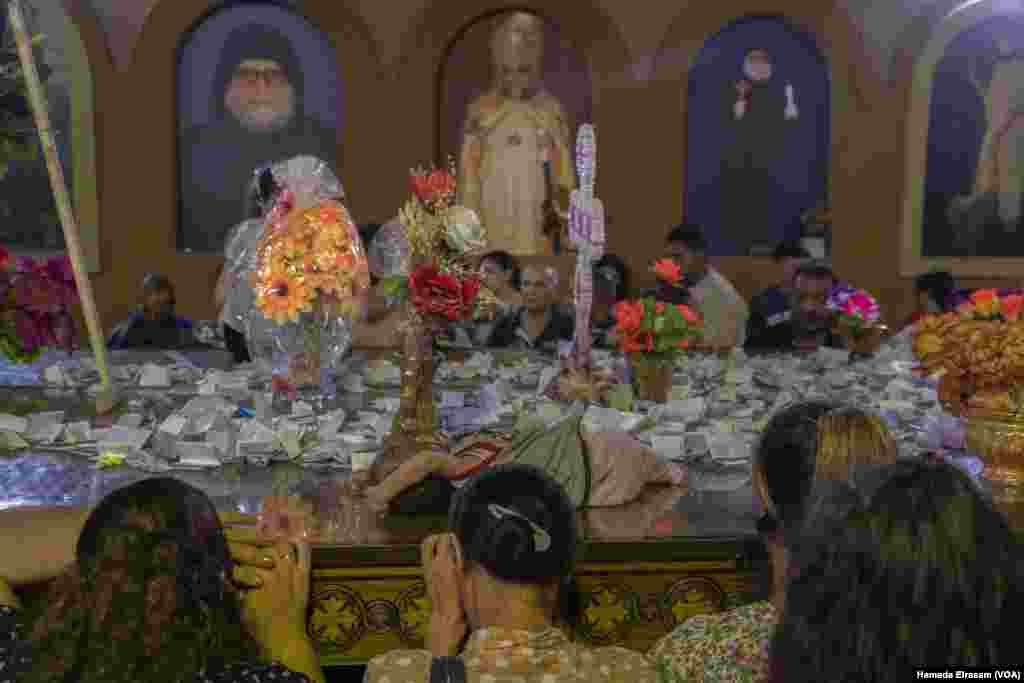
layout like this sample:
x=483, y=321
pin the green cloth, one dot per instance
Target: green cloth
x=559, y=452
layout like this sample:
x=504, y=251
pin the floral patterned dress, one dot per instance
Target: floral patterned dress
x=498, y=655
x=728, y=647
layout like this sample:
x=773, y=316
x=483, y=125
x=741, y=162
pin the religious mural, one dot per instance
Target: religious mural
x=28, y=214
x=257, y=84
x=512, y=127
x=757, y=135
x=974, y=177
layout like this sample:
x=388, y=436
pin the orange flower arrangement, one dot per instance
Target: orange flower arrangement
x=310, y=258
x=978, y=350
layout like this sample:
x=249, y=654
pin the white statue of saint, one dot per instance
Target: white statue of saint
x=509, y=133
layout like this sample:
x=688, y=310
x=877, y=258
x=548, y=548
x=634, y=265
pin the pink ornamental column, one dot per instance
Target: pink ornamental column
x=586, y=231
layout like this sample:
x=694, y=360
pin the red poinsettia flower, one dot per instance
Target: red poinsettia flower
x=434, y=186
x=437, y=293
x=5, y=257
x=668, y=270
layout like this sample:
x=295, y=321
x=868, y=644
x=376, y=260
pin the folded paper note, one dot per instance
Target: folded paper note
x=154, y=376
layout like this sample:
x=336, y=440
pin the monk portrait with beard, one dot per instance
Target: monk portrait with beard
x=258, y=119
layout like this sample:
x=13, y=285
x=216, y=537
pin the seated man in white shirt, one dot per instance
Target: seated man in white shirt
x=724, y=311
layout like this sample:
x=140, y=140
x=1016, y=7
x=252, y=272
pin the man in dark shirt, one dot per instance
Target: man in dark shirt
x=808, y=325
x=771, y=308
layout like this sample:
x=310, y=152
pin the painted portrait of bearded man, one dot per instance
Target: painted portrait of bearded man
x=258, y=116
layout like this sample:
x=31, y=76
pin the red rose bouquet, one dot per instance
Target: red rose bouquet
x=35, y=306
x=441, y=282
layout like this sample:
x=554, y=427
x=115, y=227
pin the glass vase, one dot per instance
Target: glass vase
x=307, y=352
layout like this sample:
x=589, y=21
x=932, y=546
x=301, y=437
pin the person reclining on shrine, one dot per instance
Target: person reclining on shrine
x=146, y=587
x=540, y=323
x=155, y=323
x=501, y=590
x=918, y=572
x=802, y=444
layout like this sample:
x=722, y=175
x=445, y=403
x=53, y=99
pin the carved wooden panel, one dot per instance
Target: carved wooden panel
x=357, y=614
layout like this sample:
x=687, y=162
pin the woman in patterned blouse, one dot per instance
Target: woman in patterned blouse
x=148, y=593
x=499, y=584
x=801, y=444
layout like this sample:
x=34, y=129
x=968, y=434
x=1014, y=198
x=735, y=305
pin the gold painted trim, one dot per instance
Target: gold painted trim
x=588, y=569
x=912, y=262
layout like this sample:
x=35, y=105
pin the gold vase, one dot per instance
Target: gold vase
x=998, y=439
x=416, y=414
x=652, y=377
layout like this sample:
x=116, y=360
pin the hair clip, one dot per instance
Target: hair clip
x=541, y=538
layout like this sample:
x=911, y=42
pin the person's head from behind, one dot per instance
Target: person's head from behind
x=517, y=534
x=536, y=288
x=261, y=79
x=148, y=595
x=788, y=256
x=158, y=300
x=500, y=271
x=934, y=291
x=808, y=442
x=687, y=246
x=919, y=572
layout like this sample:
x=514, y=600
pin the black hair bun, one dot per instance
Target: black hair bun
x=509, y=542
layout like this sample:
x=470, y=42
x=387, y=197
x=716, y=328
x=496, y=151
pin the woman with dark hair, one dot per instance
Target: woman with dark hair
x=500, y=583
x=149, y=594
x=921, y=574
x=802, y=444
x=611, y=285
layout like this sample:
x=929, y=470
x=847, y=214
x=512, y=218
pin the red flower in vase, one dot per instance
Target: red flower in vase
x=437, y=293
x=433, y=187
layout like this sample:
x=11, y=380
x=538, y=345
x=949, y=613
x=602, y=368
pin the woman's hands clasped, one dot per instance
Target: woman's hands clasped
x=442, y=571
x=273, y=579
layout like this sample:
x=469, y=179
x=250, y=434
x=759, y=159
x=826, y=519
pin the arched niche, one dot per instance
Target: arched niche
x=29, y=223
x=952, y=218
x=257, y=82
x=753, y=170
